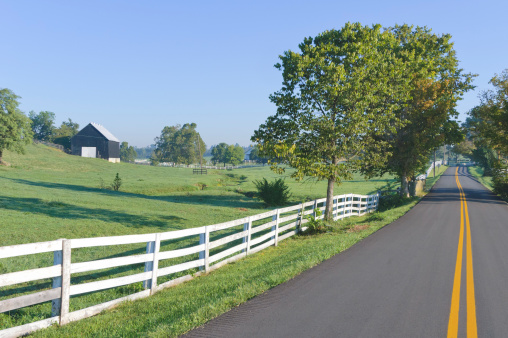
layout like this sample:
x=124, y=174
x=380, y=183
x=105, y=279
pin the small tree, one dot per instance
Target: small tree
x=64, y=133
x=15, y=127
x=127, y=153
x=220, y=153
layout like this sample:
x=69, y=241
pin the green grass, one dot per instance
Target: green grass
x=46, y=195
x=477, y=172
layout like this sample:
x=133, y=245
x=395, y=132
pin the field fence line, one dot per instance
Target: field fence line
x=215, y=246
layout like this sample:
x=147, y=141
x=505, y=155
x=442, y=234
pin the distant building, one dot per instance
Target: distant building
x=247, y=153
x=96, y=141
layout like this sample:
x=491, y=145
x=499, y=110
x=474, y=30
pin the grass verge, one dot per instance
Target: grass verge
x=477, y=172
x=175, y=311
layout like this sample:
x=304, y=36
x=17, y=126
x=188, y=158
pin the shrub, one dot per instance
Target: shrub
x=117, y=183
x=273, y=193
x=315, y=225
x=500, y=182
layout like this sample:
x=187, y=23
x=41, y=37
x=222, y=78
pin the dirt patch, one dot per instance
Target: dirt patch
x=243, y=209
x=358, y=228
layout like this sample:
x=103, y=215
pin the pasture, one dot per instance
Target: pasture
x=46, y=194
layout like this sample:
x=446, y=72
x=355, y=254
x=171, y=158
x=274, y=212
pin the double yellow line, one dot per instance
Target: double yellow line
x=453, y=321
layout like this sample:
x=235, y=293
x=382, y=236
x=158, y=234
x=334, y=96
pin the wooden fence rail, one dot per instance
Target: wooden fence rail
x=257, y=233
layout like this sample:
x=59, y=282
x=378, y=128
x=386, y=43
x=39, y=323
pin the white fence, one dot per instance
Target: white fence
x=216, y=246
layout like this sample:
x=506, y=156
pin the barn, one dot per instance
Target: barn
x=96, y=141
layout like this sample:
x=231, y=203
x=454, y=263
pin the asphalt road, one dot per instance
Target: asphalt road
x=399, y=281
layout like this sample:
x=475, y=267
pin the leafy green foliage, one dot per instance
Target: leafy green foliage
x=315, y=225
x=127, y=153
x=224, y=153
x=179, y=144
x=436, y=84
x=15, y=127
x=42, y=124
x=64, y=133
x=273, y=193
x=339, y=92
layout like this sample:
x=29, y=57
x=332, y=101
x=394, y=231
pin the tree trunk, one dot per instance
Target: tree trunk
x=1, y=151
x=404, y=188
x=329, y=200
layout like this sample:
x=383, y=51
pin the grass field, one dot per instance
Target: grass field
x=45, y=195
x=477, y=172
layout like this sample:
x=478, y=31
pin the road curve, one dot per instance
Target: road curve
x=399, y=281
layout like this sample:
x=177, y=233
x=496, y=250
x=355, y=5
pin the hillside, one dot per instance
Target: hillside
x=46, y=194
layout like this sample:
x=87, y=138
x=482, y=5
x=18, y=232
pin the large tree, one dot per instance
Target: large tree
x=338, y=92
x=235, y=154
x=219, y=153
x=224, y=153
x=426, y=117
x=490, y=118
x=15, y=127
x=179, y=144
x=42, y=124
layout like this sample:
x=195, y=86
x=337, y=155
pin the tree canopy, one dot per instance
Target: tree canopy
x=15, y=127
x=339, y=91
x=224, y=153
x=42, y=124
x=426, y=117
x=179, y=144
x=64, y=133
x=127, y=153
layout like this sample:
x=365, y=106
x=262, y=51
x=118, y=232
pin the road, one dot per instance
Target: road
x=399, y=281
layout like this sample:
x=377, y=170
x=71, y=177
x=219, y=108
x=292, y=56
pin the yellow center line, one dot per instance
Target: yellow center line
x=453, y=321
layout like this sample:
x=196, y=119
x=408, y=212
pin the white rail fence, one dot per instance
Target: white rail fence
x=216, y=246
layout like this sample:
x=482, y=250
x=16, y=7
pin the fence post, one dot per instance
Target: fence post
x=150, y=249
x=249, y=235
x=274, y=218
x=202, y=240
x=57, y=283
x=246, y=238
x=207, y=249
x=299, y=220
x=155, y=265
x=66, y=281
x=277, y=227
x=314, y=209
x=335, y=207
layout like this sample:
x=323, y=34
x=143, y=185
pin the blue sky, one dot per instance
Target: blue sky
x=137, y=66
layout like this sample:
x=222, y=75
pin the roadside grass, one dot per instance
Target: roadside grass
x=477, y=172
x=431, y=180
x=46, y=195
x=175, y=311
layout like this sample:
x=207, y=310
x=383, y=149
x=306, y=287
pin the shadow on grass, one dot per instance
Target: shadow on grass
x=70, y=211
x=207, y=199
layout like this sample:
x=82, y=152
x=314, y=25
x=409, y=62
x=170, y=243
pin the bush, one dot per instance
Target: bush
x=500, y=182
x=273, y=193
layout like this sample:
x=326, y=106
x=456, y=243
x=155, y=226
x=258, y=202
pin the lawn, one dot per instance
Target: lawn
x=46, y=195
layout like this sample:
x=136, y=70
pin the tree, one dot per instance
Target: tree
x=15, y=127
x=235, y=154
x=64, y=133
x=179, y=144
x=491, y=116
x=425, y=119
x=127, y=153
x=219, y=153
x=338, y=93
x=42, y=124
x=256, y=156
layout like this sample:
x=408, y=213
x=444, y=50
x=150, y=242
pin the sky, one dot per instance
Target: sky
x=137, y=66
